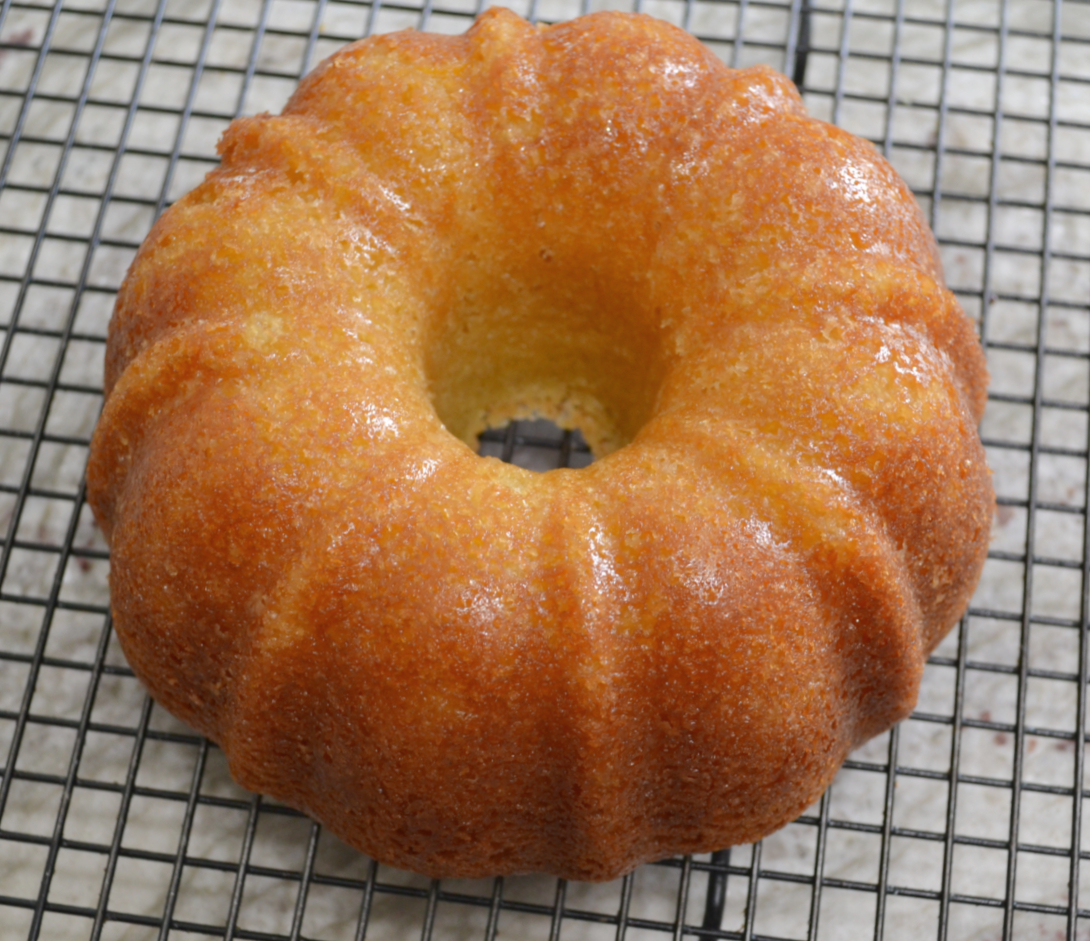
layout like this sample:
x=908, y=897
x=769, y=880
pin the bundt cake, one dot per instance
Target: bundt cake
x=462, y=667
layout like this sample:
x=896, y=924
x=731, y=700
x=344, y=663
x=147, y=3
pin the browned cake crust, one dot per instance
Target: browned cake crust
x=465, y=668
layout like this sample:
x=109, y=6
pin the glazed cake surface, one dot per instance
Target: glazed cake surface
x=465, y=668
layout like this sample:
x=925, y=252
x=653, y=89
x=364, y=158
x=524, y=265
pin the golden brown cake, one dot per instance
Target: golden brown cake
x=462, y=667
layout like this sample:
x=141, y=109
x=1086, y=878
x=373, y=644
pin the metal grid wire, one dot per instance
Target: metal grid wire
x=964, y=822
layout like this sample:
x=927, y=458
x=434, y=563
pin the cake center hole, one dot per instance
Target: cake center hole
x=537, y=445
x=514, y=337
x=492, y=361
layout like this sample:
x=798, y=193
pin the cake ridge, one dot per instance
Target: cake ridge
x=864, y=547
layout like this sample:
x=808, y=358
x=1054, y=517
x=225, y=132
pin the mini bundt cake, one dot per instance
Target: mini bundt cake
x=462, y=667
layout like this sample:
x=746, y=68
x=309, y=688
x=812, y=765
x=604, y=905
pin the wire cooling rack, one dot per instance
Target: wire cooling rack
x=964, y=822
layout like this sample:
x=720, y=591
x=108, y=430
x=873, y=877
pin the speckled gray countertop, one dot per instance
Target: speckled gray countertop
x=139, y=818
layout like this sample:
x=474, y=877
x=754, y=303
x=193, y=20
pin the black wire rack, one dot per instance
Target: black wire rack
x=964, y=822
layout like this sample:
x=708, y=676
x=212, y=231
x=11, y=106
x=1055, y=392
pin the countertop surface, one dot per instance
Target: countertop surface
x=114, y=816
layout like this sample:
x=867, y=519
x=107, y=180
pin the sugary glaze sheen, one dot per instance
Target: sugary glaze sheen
x=465, y=668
